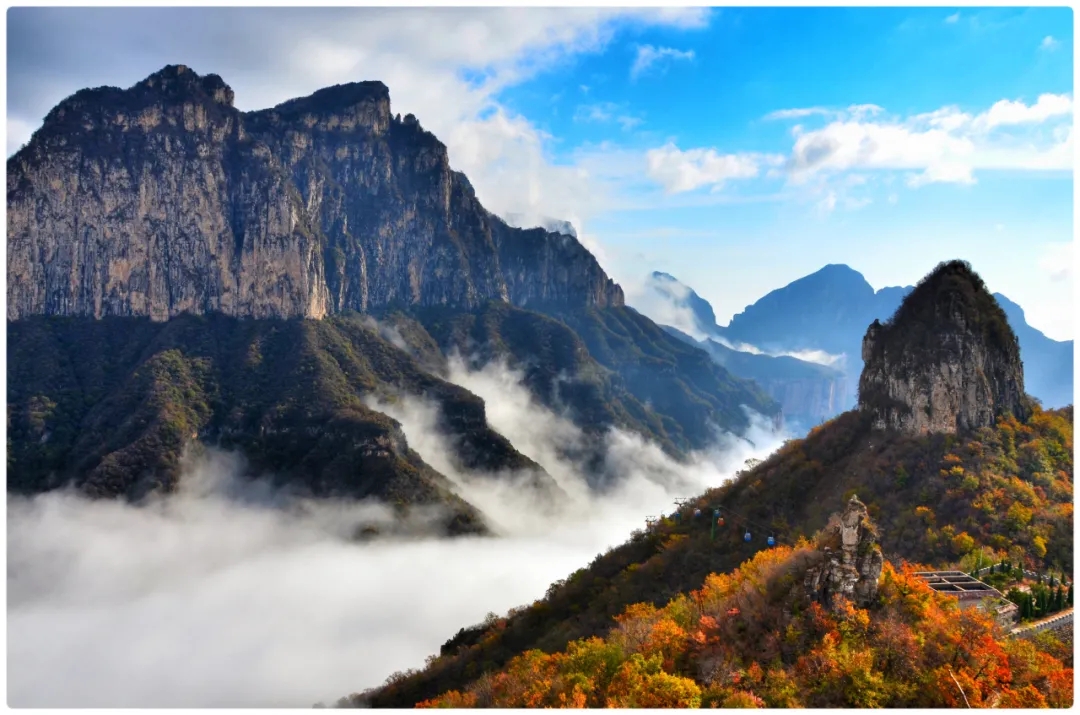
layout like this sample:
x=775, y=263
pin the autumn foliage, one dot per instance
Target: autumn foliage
x=912, y=648
x=1001, y=493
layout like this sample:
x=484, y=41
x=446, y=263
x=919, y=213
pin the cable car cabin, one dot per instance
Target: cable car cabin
x=697, y=513
x=746, y=536
x=720, y=521
x=733, y=611
x=772, y=541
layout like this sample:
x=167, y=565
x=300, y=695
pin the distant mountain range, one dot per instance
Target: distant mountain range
x=825, y=315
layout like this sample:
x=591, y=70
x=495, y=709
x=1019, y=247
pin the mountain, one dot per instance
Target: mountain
x=823, y=623
x=164, y=198
x=112, y=404
x=999, y=485
x=829, y=311
x=821, y=311
x=809, y=393
x=210, y=268
x=1048, y=364
x=947, y=361
x=682, y=297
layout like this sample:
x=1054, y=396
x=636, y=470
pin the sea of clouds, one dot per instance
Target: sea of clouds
x=231, y=593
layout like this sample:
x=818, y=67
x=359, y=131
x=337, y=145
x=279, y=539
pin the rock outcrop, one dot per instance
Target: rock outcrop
x=947, y=361
x=852, y=560
x=164, y=198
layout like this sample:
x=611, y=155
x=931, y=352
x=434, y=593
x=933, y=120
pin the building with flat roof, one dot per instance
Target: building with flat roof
x=970, y=591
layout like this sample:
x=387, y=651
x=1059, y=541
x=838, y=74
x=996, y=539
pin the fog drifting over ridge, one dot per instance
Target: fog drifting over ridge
x=230, y=593
x=666, y=306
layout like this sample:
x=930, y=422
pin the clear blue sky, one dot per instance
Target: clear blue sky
x=737, y=149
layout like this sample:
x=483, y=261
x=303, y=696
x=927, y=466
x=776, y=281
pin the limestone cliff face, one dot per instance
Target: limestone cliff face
x=851, y=559
x=163, y=199
x=946, y=362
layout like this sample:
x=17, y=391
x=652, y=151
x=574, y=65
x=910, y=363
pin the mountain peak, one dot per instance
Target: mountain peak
x=682, y=297
x=181, y=80
x=946, y=361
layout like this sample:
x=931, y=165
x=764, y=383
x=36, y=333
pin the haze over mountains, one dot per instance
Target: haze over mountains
x=802, y=342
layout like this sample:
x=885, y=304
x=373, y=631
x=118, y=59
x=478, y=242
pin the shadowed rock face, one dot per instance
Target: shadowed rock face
x=163, y=199
x=947, y=361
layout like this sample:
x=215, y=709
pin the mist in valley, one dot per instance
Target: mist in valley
x=234, y=593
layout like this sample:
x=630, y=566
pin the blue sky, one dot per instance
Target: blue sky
x=738, y=149
x=716, y=87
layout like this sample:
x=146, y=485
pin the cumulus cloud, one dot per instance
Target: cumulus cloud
x=651, y=58
x=234, y=594
x=1049, y=43
x=678, y=170
x=944, y=146
x=947, y=145
x=1009, y=112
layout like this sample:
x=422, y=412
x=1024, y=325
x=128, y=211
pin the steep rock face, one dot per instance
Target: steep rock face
x=163, y=199
x=947, y=361
x=851, y=560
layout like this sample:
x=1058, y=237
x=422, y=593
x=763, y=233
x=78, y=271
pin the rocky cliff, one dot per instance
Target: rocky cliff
x=164, y=198
x=851, y=559
x=947, y=361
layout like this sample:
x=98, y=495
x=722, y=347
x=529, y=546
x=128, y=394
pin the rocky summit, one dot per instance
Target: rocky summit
x=947, y=361
x=164, y=198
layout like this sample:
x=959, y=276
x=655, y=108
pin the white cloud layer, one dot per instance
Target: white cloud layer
x=231, y=595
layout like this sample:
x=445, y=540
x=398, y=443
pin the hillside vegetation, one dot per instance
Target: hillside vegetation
x=111, y=404
x=1004, y=491
x=753, y=639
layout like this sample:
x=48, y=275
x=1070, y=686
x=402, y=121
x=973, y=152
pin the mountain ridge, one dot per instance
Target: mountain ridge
x=320, y=204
